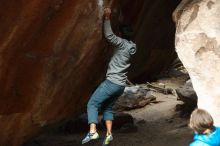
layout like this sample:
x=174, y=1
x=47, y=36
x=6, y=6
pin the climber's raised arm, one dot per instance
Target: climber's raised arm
x=109, y=35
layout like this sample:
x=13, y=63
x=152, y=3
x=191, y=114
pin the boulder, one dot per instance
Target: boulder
x=187, y=94
x=198, y=47
x=134, y=97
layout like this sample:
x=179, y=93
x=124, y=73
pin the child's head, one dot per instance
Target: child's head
x=201, y=121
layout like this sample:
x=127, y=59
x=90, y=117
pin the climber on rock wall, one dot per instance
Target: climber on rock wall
x=113, y=86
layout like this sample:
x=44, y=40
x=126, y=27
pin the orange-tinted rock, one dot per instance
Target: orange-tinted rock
x=53, y=55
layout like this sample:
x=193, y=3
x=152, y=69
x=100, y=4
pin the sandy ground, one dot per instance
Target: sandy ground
x=158, y=124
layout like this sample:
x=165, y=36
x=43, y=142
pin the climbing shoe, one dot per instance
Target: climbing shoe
x=107, y=140
x=89, y=137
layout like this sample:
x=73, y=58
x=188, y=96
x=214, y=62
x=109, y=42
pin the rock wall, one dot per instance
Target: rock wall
x=198, y=47
x=53, y=55
x=154, y=34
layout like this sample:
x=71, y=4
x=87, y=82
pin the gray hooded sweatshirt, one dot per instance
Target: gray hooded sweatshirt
x=120, y=61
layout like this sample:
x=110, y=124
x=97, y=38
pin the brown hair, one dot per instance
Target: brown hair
x=201, y=121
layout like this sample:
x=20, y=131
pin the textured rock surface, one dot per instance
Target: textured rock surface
x=154, y=33
x=198, y=47
x=52, y=55
x=134, y=97
x=187, y=94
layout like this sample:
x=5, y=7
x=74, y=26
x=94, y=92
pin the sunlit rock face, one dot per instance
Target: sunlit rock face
x=198, y=47
x=53, y=55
